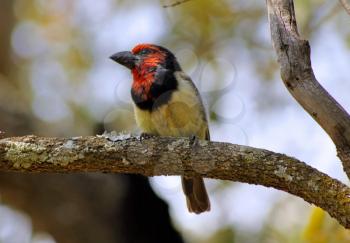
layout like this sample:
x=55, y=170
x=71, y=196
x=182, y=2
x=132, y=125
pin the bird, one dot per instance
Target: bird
x=167, y=103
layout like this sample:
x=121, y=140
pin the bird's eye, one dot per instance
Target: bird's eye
x=144, y=52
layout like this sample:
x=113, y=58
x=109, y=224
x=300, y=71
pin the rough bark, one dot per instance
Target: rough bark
x=177, y=156
x=294, y=58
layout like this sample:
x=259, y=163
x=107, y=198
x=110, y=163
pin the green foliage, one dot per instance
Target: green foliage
x=321, y=228
x=223, y=235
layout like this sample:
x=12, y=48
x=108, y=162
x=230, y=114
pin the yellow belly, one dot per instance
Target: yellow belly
x=182, y=116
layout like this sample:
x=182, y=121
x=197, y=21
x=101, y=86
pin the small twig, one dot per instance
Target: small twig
x=331, y=13
x=346, y=5
x=175, y=4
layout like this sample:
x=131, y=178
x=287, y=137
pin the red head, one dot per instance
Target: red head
x=145, y=56
x=145, y=61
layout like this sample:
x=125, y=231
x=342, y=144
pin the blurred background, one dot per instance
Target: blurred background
x=56, y=80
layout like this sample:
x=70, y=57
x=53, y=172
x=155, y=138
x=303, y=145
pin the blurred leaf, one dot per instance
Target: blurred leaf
x=321, y=228
x=223, y=235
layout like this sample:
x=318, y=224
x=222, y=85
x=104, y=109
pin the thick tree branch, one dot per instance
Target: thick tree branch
x=177, y=156
x=294, y=58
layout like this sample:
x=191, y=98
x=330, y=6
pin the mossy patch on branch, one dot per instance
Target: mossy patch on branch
x=23, y=154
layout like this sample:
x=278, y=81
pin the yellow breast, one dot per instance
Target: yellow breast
x=183, y=115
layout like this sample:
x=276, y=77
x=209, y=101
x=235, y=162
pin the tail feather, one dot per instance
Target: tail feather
x=196, y=195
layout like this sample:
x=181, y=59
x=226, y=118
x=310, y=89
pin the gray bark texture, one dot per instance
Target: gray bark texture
x=293, y=55
x=177, y=156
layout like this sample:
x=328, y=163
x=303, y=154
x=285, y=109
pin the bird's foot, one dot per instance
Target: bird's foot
x=193, y=140
x=145, y=135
